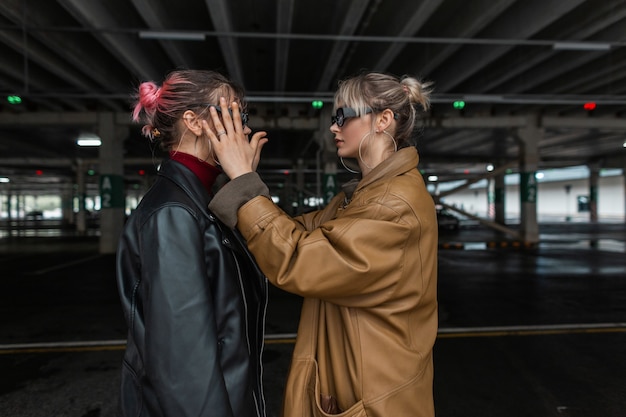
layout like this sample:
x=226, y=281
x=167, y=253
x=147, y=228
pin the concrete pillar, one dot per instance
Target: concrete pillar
x=568, y=202
x=499, y=198
x=111, y=156
x=529, y=158
x=67, y=207
x=330, y=181
x=594, y=177
x=9, y=207
x=300, y=167
x=491, y=200
x=19, y=206
x=81, y=192
x=327, y=184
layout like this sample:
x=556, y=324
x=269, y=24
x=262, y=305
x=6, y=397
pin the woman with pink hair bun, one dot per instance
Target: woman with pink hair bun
x=193, y=297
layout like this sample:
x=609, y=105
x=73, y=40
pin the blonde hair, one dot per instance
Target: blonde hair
x=405, y=96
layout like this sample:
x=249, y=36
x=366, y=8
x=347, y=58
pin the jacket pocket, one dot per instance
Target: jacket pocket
x=303, y=397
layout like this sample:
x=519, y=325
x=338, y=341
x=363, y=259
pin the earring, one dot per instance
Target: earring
x=360, y=155
x=346, y=167
x=395, y=144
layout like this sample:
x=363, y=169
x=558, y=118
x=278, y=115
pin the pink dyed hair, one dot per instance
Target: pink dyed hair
x=160, y=108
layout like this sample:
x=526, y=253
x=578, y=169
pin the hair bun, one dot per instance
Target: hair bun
x=147, y=100
x=149, y=95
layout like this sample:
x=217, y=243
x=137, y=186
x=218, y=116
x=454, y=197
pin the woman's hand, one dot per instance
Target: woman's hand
x=235, y=153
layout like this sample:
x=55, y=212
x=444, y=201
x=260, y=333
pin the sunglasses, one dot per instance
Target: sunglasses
x=244, y=115
x=344, y=113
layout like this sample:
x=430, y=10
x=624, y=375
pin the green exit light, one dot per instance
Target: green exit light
x=458, y=104
x=317, y=104
x=14, y=99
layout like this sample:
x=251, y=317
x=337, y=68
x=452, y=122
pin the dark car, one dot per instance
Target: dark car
x=447, y=220
x=34, y=215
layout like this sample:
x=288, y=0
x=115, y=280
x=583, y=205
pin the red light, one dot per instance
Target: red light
x=39, y=172
x=141, y=172
x=589, y=106
x=286, y=172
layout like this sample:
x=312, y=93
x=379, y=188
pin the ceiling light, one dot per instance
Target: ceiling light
x=581, y=46
x=88, y=139
x=89, y=142
x=4, y=179
x=172, y=36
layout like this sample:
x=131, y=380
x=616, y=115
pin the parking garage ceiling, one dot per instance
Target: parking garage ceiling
x=507, y=60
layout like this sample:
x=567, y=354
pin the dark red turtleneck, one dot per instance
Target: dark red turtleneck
x=206, y=172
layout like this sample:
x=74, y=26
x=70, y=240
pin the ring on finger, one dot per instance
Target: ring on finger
x=221, y=132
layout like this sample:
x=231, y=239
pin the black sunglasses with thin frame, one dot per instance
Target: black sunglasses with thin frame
x=244, y=115
x=344, y=113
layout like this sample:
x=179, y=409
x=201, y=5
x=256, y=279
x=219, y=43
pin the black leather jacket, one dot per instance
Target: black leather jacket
x=194, y=301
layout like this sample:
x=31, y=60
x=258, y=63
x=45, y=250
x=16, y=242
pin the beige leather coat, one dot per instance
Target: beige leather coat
x=367, y=269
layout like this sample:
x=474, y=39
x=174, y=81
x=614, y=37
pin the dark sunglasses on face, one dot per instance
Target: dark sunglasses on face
x=344, y=113
x=244, y=115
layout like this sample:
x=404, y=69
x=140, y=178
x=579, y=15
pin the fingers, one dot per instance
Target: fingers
x=237, y=154
x=231, y=117
x=257, y=142
x=213, y=137
x=217, y=123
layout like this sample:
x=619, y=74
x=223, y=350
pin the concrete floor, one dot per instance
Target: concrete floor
x=523, y=332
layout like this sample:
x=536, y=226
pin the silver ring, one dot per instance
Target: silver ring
x=220, y=133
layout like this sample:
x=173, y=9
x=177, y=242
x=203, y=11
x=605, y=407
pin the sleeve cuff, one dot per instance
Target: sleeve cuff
x=235, y=194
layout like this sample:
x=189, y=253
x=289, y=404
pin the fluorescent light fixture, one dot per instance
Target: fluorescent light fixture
x=89, y=142
x=581, y=46
x=88, y=139
x=172, y=36
x=4, y=179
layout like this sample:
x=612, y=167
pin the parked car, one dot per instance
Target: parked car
x=447, y=220
x=34, y=215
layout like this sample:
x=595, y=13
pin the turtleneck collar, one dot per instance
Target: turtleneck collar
x=205, y=172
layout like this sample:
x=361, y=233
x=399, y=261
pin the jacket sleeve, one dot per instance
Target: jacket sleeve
x=236, y=193
x=351, y=260
x=182, y=358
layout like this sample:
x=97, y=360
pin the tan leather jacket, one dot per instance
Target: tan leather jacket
x=367, y=267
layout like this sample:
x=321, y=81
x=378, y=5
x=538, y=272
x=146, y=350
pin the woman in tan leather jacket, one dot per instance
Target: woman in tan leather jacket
x=366, y=264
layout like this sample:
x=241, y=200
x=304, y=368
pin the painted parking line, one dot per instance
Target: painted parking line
x=290, y=338
x=497, y=331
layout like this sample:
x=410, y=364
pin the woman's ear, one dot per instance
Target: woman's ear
x=193, y=122
x=384, y=119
